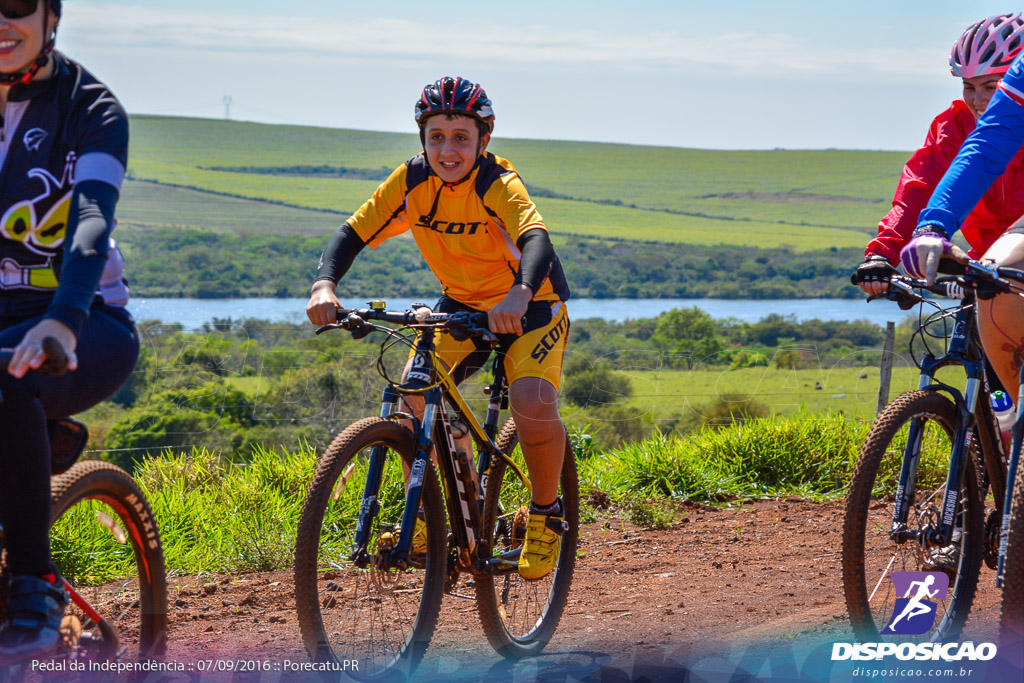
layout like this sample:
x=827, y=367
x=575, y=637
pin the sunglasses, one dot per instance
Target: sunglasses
x=18, y=9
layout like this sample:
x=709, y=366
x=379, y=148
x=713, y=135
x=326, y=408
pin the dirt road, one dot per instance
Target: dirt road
x=723, y=586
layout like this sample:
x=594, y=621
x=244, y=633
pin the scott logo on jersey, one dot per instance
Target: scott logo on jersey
x=449, y=228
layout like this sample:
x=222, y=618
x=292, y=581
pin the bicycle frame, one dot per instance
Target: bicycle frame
x=975, y=417
x=428, y=378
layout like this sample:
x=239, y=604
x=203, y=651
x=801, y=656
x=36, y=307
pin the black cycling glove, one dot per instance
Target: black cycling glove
x=874, y=269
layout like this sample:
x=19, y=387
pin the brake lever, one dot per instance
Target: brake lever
x=900, y=292
x=351, y=322
x=330, y=326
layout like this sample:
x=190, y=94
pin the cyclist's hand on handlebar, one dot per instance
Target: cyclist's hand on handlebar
x=507, y=316
x=873, y=275
x=29, y=353
x=922, y=254
x=323, y=305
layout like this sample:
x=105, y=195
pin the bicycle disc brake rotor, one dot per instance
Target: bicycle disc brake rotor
x=385, y=578
x=927, y=524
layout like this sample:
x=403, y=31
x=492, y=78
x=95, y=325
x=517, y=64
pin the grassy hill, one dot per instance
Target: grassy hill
x=239, y=178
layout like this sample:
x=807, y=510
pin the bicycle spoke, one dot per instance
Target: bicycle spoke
x=885, y=574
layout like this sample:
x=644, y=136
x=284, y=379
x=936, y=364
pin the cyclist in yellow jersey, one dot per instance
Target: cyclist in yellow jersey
x=487, y=244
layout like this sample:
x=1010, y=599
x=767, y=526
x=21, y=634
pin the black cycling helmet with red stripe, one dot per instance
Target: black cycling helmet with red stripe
x=25, y=8
x=456, y=95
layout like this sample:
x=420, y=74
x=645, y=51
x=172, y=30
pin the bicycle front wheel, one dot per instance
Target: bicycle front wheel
x=874, y=558
x=105, y=542
x=1011, y=621
x=519, y=616
x=353, y=606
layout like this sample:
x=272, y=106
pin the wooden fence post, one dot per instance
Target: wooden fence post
x=887, y=358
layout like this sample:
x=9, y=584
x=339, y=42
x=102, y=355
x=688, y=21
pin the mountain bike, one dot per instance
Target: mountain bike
x=375, y=552
x=917, y=496
x=105, y=542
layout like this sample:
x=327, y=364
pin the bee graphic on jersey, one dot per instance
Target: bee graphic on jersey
x=39, y=224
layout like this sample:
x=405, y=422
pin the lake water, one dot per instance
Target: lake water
x=192, y=313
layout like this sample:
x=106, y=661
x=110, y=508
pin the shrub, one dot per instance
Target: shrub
x=585, y=383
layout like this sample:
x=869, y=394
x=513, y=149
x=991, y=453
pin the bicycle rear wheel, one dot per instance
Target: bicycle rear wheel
x=1011, y=619
x=362, y=610
x=871, y=557
x=105, y=542
x=519, y=616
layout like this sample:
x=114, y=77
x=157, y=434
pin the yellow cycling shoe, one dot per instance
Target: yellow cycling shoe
x=540, y=549
x=419, y=538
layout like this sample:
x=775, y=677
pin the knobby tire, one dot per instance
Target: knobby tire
x=870, y=556
x=519, y=617
x=382, y=618
x=91, y=503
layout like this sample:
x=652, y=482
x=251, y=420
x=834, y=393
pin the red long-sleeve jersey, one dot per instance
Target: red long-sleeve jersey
x=1001, y=206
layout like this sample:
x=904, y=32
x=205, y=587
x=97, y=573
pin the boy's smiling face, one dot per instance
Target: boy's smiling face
x=452, y=144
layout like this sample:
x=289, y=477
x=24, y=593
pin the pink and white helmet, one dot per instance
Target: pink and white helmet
x=988, y=47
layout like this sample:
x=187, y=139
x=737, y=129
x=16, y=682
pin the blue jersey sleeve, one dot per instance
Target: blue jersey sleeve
x=983, y=157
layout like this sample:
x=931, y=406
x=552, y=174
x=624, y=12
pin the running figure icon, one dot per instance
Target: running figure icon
x=921, y=592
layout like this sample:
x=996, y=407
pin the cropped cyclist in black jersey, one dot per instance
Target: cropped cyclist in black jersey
x=63, y=150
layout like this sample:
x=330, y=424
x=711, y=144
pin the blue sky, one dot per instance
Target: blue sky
x=725, y=75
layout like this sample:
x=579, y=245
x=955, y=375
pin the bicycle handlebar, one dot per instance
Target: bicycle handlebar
x=56, y=362
x=986, y=280
x=461, y=325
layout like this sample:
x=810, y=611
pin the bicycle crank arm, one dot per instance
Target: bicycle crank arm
x=109, y=633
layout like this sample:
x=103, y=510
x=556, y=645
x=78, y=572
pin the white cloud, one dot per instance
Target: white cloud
x=137, y=30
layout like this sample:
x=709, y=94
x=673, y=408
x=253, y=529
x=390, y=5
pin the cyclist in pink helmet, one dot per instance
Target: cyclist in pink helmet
x=979, y=58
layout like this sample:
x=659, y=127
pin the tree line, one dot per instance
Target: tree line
x=188, y=262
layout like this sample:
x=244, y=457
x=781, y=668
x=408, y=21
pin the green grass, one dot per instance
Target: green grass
x=147, y=205
x=809, y=199
x=810, y=455
x=596, y=220
x=661, y=394
x=215, y=516
x=151, y=205
x=254, y=387
x=666, y=393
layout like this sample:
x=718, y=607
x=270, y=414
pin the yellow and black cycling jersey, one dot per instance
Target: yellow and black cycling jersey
x=467, y=232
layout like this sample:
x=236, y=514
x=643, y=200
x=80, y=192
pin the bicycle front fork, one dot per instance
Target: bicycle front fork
x=398, y=555
x=1011, y=475
x=942, y=534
